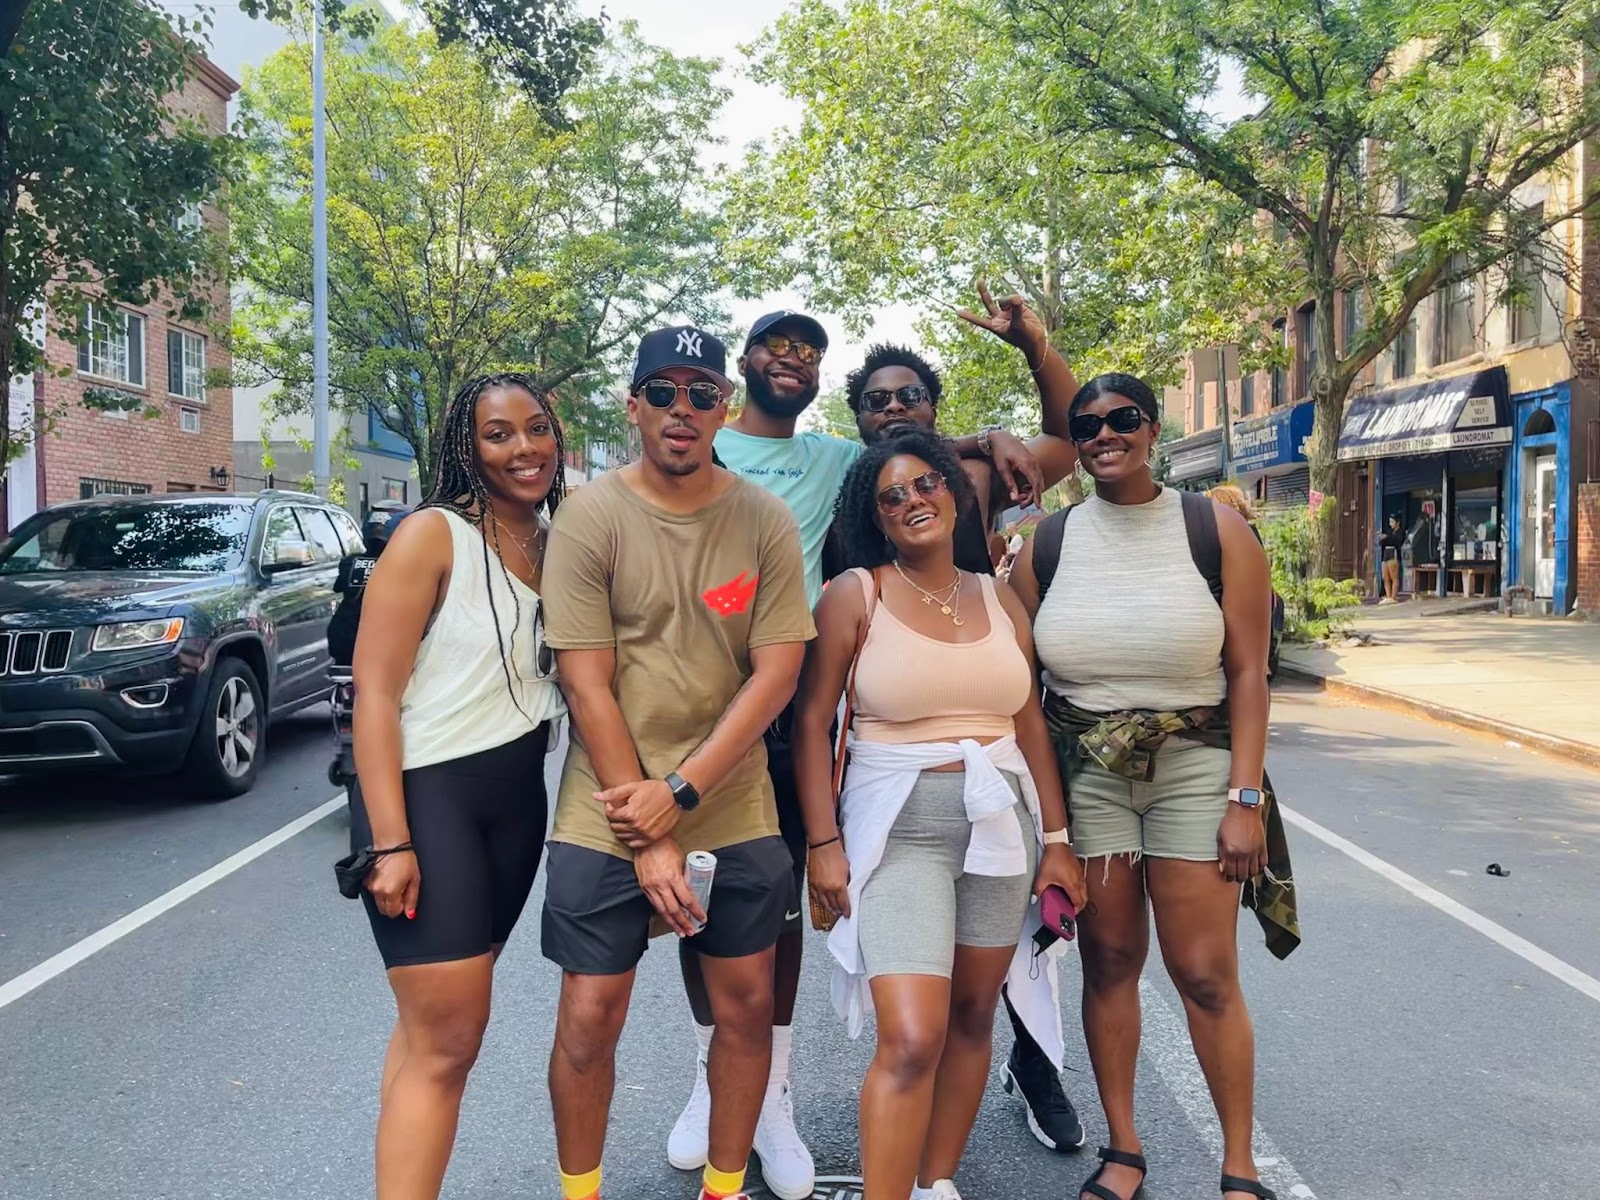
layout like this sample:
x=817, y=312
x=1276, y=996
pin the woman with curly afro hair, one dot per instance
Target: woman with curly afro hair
x=952, y=820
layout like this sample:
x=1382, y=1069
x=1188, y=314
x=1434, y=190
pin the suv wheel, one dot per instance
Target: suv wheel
x=226, y=752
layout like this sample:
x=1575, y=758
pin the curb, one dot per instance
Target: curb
x=1581, y=753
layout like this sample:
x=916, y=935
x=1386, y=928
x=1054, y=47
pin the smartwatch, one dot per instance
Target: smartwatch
x=1056, y=837
x=1245, y=797
x=683, y=793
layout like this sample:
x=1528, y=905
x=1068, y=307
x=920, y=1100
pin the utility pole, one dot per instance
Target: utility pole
x=1226, y=410
x=319, y=262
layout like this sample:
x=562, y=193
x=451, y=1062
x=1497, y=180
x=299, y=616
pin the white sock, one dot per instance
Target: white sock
x=782, y=1039
x=702, y=1034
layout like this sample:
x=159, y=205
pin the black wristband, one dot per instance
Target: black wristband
x=821, y=845
x=400, y=849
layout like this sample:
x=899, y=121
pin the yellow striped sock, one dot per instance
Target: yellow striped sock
x=581, y=1187
x=720, y=1184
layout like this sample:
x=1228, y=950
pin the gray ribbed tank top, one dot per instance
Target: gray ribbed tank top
x=1129, y=621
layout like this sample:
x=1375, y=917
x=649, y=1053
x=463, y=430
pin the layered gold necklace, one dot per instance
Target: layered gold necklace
x=947, y=598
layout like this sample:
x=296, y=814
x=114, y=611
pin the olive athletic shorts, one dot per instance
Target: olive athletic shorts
x=597, y=919
x=1175, y=815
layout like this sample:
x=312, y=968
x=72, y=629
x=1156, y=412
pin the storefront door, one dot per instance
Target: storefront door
x=1544, y=526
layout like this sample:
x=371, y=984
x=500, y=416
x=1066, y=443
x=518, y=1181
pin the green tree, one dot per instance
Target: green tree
x=922, y=161
x=97, y=165
x=467, y=231
x=1388, y=154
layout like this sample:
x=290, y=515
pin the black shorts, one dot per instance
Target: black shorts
x=791, y=822
x=478, y=825
x=597, y=919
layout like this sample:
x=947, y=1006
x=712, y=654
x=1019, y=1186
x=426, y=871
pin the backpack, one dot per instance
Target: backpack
x=1199, y=522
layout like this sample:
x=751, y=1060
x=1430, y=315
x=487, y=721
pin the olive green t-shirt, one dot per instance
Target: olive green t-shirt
x=683, y=599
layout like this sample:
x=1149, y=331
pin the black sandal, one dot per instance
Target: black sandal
x=1123, y=1159
x=1232, y=1183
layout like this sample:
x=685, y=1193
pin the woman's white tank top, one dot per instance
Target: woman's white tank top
x=458, y=701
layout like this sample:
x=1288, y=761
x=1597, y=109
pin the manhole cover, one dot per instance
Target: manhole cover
x=828, y=1187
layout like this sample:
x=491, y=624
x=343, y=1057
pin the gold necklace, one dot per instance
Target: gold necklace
x=947, y=598
x=517, y=542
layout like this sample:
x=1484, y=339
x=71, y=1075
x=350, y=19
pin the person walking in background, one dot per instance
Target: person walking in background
x=1156, y=692
x=1393, y=539
x=454, y=700
x=679, y=617
x=954, y=798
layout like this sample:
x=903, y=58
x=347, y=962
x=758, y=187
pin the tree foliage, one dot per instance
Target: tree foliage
x=1396, y=146
x=467, y=231
x=97, y=165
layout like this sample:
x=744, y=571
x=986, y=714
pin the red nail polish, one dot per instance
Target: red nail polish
x=411, y=914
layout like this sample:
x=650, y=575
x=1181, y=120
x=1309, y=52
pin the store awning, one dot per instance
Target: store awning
x=1442, y=414
x=1277, y=439
x=1198, y=456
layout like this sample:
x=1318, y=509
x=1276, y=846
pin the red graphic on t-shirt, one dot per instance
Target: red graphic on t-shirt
x=732, y=597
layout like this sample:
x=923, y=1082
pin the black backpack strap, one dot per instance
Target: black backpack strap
x=1205, y=544
x=1047, y=538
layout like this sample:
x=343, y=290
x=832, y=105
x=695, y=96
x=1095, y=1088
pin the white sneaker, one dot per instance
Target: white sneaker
x=786, y=1164
x=689, y=1143
x=942, y=1189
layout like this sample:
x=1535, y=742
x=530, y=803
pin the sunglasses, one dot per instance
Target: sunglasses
x=660, y=393
x=779, y=344
x=897, y=495
x=909, y=396
x=544, y=658
x=1085, y=427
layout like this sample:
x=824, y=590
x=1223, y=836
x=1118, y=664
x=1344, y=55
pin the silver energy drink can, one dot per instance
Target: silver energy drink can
x=700, y=867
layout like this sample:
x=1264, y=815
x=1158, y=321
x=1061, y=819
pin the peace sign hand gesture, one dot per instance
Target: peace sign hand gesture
x=1011, y=320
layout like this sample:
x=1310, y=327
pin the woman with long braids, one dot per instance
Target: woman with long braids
x=454, y=698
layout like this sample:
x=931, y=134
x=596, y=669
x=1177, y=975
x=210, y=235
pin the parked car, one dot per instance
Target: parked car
x=161, y=633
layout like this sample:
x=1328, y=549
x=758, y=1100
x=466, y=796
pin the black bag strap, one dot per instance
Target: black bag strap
x=1047, y=538
x=1205, y=545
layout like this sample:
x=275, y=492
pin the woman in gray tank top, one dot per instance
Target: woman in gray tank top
x=1156, y=689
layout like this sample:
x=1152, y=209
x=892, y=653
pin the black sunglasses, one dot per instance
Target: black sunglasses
x=1085, y=427
x=660, y=393
x=544, y=658
x=909, y=396
x=779, y=344
x=897, y=495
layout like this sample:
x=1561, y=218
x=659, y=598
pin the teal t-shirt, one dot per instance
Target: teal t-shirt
x=805, y=472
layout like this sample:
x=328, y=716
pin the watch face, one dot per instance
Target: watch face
x=1250, y=797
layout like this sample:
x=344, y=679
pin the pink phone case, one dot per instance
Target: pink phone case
x=1057, y=912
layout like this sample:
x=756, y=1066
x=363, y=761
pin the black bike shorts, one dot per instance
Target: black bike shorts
x=478, y=825
x=791, y=821
x=597, y=918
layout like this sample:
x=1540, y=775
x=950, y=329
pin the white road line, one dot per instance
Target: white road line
x=1166, y=1048
x=1499, y=934
x=36, y=977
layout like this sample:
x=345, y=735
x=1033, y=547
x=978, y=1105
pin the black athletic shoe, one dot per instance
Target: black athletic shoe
x=1051, y=1117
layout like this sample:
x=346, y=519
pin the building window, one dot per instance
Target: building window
x=1306, y=335
x=186, y=364
x=113, y=345
x=88, y=489
x=1527, y=285
x=1247, y=395
x=1352, y=318
x=394, y=489
x=189, y=420
x=1280, y=370
x=179, y=487
x=189, y=219
x=1405, y=349
x=1455, y=333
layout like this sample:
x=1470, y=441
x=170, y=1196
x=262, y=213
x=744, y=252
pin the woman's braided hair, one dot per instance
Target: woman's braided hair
x=458, y=485
x=856, y=509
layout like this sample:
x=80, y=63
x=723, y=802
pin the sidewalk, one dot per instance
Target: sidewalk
x=1533, y=680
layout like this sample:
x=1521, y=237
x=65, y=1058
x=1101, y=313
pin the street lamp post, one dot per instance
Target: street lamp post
x=319, y=262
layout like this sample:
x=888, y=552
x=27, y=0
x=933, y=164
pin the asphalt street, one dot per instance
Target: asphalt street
x=1435, y=1036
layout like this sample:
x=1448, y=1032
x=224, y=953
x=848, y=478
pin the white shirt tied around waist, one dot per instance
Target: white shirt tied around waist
x=879, y=782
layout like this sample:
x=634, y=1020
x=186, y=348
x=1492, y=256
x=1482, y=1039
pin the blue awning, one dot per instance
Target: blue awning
x=1276, y=439
x=1442, y=414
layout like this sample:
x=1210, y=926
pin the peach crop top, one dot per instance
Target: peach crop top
x=914, y=688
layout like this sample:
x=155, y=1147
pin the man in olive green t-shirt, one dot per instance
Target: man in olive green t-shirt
x=675, y=599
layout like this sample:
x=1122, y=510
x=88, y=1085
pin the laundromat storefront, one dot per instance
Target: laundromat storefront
x=1269, y=454
x=1439, y=450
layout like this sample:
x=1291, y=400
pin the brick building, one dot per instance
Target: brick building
x=184, y=439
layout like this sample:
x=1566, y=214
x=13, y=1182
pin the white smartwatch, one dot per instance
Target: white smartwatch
x=1056, y=837
x=1245, y=797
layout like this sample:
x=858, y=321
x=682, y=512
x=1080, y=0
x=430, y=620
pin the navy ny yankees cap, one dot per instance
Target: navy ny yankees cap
x=682, y=346
x=810, y=327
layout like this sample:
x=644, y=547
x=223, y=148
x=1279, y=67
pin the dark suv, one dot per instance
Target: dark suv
x=159, y=633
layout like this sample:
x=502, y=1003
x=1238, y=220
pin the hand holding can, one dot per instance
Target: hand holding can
x=700, y=867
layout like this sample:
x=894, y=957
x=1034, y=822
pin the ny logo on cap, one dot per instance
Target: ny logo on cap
x=689, y=343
